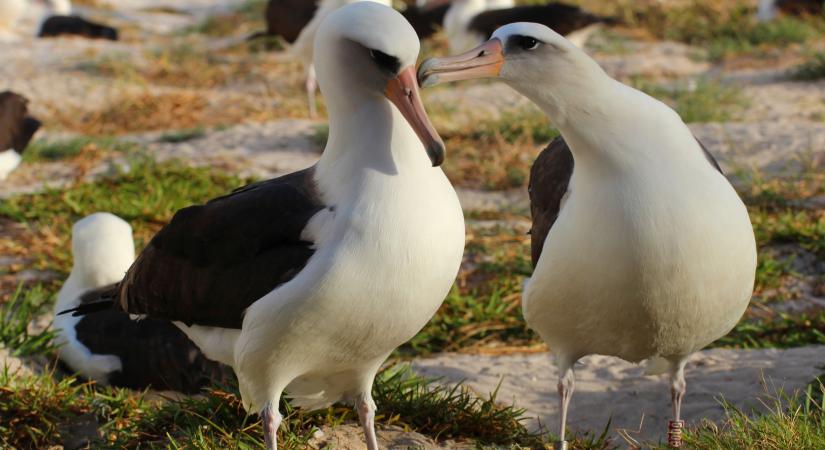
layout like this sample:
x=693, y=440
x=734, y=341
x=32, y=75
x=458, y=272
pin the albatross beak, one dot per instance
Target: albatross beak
x=404, y=94
x=483, y=61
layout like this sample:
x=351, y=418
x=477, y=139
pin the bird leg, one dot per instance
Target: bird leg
x=678, y=386
x=366, y=412
x=565, y=387
x=271, y=419
x=311, y=86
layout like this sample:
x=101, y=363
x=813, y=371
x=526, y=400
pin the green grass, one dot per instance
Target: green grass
x=811, y=70
x=723, y=28
x=705, y=100
x=15, y=315
x=37, y=411
x=246, y=17
x=782, y=331
x=794, y=421
x=55, y=150
x=146, y=196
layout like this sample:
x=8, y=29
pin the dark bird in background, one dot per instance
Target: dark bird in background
x=426, y=20
x=16, y=130
x=76, y=26
x=769, y=9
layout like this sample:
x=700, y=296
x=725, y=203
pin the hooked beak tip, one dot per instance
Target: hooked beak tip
x=435, y=150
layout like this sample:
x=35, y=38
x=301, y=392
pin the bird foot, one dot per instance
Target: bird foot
x=674, y=433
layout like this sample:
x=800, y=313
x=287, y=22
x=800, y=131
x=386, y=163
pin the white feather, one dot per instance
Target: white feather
x=103, y=250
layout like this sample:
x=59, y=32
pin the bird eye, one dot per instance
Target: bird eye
x=527, y=42
x=385, y=61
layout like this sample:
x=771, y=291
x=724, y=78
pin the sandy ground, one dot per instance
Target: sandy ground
x=611, y=389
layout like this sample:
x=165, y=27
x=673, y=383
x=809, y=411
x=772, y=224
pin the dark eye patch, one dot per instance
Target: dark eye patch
x=523, y=42
x=385, y=61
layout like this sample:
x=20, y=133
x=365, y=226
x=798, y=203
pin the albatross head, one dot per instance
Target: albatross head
x=365, y=51
x=102, y=249
x=531, y=58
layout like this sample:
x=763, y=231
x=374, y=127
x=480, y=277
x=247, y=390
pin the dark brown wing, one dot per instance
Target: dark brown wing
x=16, y=126
x=426, y=20
x=153, y=352
x=559, y=17
x=549, y=179
x=212, y=261
x=286, y=18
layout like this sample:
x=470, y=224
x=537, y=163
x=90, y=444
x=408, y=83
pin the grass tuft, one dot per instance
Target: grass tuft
x=811, y=70
x=15, y=316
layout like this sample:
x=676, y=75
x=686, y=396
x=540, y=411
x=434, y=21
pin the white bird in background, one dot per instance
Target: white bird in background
x=304, y=284
x=11, y=11
x=102, y=251
x=647, y=252
x=303, y=46
x=109, y=347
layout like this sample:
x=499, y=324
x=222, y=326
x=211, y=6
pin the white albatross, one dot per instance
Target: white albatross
x=304, y=284
x=109, y=347
x=647, y=252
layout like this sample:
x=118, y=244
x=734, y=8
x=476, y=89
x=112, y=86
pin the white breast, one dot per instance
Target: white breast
x=9, y=160
x=653, y=258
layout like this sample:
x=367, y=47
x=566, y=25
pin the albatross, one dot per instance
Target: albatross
x=109, y=347
x=468, y=22
x=16, y=130
x=304, y=284
x=642, y=248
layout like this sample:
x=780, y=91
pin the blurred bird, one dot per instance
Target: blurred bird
x=769, y=9
x=109, y=347
x=642, y=248
x=11, y=11
x=469, y=22
x=76, y=26
x=16, y=131
x=303, y=46
x=307, y=282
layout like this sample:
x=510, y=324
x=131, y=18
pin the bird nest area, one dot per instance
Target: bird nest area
x=126, y=130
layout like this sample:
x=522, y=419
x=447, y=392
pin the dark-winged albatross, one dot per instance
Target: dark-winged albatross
x=469, y=22
x=16, y=130
x=109, y=347
x=647, y=252
x=304, y=284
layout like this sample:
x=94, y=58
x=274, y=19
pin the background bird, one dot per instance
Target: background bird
x=649, y=252
x=16, y=131
x=304, y=284
x=110, y=347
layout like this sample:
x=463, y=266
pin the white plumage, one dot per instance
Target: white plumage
x=386, y=254
x=102, y=251
x=652, y=254
x=9, y=160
